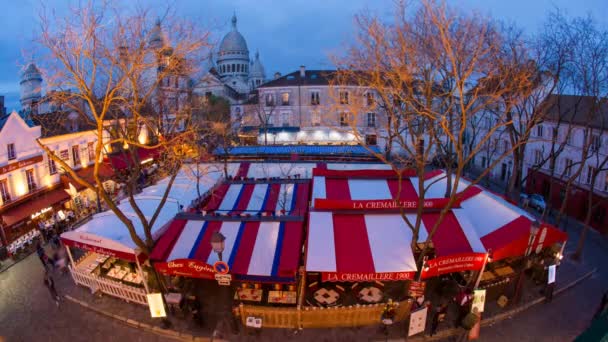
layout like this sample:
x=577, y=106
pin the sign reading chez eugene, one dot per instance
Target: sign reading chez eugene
x=453, y=263
x=186, y=267
x=22, y=163
x=385, y=204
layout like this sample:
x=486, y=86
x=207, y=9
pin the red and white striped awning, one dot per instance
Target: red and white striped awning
x=256, y=248
x=359, y=247
x=360, y=206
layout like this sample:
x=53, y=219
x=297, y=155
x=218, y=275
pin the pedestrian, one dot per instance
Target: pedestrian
x=463, y=300
x=42, y=255
x=50, y=284
x=439, y=316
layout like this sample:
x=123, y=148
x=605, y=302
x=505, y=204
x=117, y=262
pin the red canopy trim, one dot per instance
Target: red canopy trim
x=367, y=276
x=327, y=173
x=384, y=204
x=105, y=251
x=453, y=263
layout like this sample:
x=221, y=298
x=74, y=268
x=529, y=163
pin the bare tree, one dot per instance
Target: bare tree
x=263, y=110
x=120, y=72
x=431, y=71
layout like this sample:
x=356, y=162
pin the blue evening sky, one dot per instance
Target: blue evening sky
x=286, y=33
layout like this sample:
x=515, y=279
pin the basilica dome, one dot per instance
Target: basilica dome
x=257, y=69
x=233, y=42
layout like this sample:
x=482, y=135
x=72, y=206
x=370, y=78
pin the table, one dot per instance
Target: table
x=283, y=297
x=326, y=296
x=370, y=294
x=504, y=271
x=250, y=295
x=117, y=273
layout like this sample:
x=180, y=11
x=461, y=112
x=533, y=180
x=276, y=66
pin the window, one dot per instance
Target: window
x=590, y=172
x=76, y=155
x=606, y=181
x=285, y=119
x=568, y=168
x=569, y=135
x=369, y=97
x=11, y=151
x=257, y=82
x=91, y=151
x=538, y=157
x=64, y=155
x=31, y=184
x=52, y=166
x=269, y=100
x=555, y=134
x=314, y=98
x=505, y=146
x=285, y=99
x=371, y=119
x=371, y=140
x=343, y=119
x=316, y=118
x=539, y=131
x=343, y=97
x=6, y=196
x=484, y=162
x=595, y=142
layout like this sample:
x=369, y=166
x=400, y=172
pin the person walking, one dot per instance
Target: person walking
x=50, y=285
x=42, y=255
x=439, y=316
x=463, y=299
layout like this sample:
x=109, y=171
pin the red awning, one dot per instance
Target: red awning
x=122, y=160
x=105, y=172
x=27, y=208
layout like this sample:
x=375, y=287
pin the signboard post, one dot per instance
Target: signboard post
x=223, y=279
x=221, y=268
x=155, y=303
x=417, y=321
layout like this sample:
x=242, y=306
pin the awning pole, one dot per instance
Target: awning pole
x=141, y=273
x=483, y=268
x=67, y=248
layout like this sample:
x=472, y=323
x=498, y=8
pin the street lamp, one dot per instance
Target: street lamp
x=218, y=243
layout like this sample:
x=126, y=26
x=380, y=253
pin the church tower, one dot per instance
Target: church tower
x=31, y=87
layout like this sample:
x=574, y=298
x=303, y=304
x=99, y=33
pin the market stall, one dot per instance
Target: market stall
x=481, y=228
x=262, y=252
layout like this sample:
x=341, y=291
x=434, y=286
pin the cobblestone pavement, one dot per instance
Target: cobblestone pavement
x=27, y=312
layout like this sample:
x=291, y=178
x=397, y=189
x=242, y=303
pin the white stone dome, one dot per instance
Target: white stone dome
x=257, y=69
x=233, y=42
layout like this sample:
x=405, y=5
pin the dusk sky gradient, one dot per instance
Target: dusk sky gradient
x=286, y=33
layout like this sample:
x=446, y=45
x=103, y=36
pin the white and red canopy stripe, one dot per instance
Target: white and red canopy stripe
x=479, y=222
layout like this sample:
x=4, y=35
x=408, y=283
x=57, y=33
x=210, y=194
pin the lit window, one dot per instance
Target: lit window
x=343, y=119
x=343, y=97
x=370, y=99
x=6, y=196
x=31, y=184
x=285, y=99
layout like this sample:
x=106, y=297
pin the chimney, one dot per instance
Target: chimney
x=302, y=71
x=277, y=75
